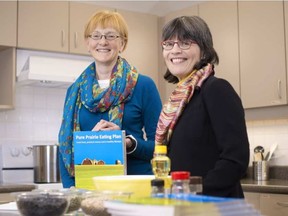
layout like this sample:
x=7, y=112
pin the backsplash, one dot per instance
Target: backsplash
x=267, y=132
x=36, y=117
x=38, y=113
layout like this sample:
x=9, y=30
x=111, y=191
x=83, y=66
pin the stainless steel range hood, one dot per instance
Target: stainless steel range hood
x=50, y=70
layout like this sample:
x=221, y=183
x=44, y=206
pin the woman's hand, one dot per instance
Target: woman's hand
x=128, y=143
x=105, y=126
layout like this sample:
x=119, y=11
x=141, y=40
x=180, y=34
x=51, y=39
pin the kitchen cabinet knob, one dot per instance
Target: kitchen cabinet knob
x=75, y=39
x=279, y=89
x=63, y=38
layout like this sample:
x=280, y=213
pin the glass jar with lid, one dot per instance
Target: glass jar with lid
x=180, y=183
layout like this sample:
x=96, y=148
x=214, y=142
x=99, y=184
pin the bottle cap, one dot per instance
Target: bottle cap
x=195, y=180
x=162, y=149
x=180, y=175
x=157, y=182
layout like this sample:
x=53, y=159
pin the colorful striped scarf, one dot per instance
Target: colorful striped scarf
x=177, y=102
x=87, y=92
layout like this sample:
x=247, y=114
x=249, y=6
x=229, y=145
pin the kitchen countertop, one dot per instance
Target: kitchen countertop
x=9, y=188
x=277, y=183
x=277, y=186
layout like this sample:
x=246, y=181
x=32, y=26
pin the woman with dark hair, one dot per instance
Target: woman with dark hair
x=203, y=122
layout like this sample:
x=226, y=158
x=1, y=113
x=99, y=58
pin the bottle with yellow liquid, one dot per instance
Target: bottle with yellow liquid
x=160, y=162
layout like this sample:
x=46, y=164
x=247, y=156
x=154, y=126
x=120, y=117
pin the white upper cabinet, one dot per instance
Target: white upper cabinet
x=262, y=53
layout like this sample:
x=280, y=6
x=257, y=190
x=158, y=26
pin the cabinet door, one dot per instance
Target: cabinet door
x=286, y=34
x=7, y=78
x=274, y=204
x=43, y=25
x=142, y=48
x=222, y=20
x=8, y=23
x=253, y=199
x=262, y=53
x=79, y=16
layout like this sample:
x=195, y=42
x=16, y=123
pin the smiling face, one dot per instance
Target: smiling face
x=105, y=52
x=181, y=62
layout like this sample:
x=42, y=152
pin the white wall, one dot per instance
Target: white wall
x=36, y=117
x=38, y=113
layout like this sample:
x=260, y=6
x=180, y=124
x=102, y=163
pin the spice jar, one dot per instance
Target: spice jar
x=180, y=183
x=195, y=185
x=157, y=188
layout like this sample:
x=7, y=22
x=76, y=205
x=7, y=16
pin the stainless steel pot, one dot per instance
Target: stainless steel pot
x=46, y=168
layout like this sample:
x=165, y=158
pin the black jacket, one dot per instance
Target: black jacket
x=210, y=139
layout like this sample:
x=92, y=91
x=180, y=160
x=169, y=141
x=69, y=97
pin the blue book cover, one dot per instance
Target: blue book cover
x=98, y=153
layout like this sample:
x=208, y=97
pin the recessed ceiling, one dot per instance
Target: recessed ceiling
x=159, y=8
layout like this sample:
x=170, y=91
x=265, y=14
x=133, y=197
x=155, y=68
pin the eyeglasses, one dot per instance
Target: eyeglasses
x=108, y=37
x=184, y=45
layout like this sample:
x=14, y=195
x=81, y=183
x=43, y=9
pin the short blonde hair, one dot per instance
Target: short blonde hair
x=107, y=19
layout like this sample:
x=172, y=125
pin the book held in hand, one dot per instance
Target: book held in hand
x=98, y=153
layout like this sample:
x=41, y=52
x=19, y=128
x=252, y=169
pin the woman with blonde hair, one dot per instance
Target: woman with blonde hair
x=110, y=95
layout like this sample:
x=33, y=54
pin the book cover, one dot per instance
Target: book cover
x=98, y=153
x=191, y=205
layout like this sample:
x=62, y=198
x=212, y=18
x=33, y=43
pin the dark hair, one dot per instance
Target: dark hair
x=191, y=28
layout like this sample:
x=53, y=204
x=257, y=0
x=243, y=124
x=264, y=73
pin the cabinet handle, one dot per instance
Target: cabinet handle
x=279, y=89
x=76, y=39
x=63, y=38
x=283, y=204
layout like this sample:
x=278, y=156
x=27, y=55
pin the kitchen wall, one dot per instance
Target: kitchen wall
x=37, y=116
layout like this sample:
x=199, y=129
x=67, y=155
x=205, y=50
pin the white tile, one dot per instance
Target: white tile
x=24, y=96
x=39, y=100
x=52, y=133
x=53, y=115
x=2, y=130
x=13, y=115
x=12, y=130
x=40, y=116
x=55, y=101
x=26, y=114
x=26, y=131
x=39, y=131
x=2, y=116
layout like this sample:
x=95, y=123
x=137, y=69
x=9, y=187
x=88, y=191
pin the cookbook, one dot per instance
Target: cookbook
x=182, y=206
x=98, y=153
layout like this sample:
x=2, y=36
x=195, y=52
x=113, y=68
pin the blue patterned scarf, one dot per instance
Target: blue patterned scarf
x=87, y=92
